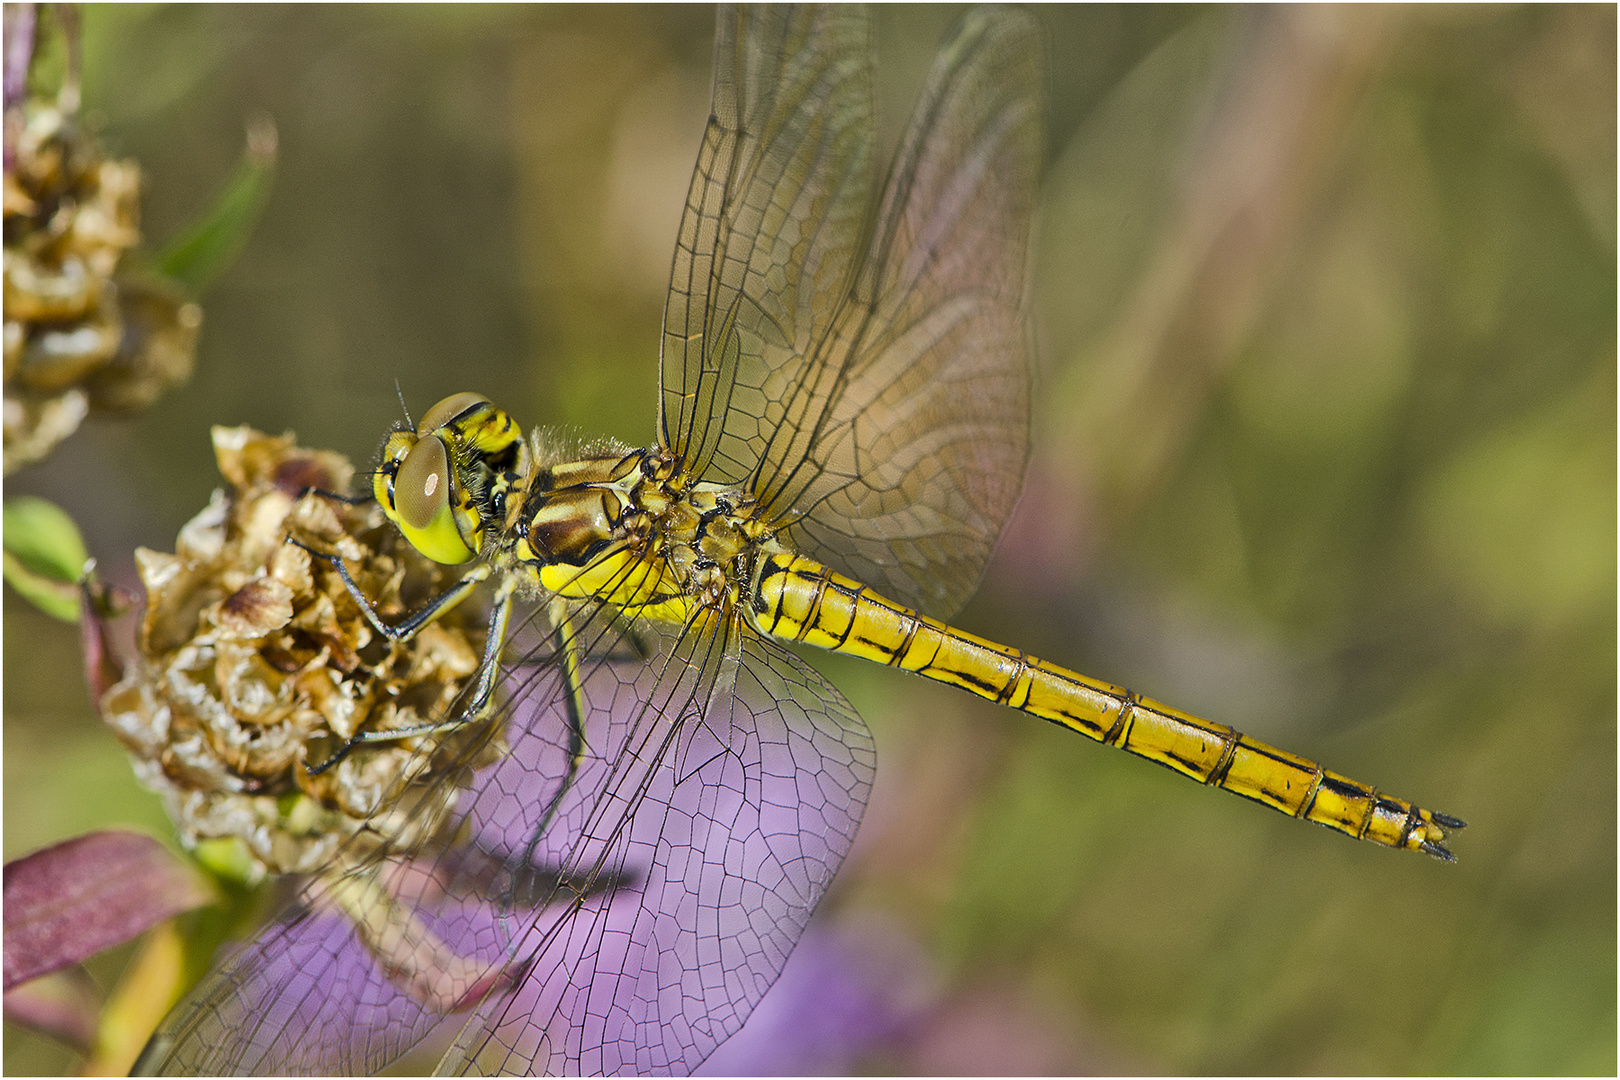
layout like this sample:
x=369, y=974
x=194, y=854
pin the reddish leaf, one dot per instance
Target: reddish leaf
x=71, y=901
x=64, y=1005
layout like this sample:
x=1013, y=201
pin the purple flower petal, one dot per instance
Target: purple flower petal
x=19, y=51
x=70, y=901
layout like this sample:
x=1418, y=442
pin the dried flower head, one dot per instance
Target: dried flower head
x=80, y=332
x=255, y=664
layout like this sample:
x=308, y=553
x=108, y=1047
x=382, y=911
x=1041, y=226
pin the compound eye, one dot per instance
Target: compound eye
x=423, y=508
x=447, y=410
x=422, y=487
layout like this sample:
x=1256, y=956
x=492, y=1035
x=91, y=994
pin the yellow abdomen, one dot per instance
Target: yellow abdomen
x=798, y=599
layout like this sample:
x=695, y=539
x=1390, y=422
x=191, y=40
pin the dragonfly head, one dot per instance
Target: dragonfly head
x=437, y=482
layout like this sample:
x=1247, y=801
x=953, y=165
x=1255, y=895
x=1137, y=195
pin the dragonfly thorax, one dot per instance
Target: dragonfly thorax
x=631, y=527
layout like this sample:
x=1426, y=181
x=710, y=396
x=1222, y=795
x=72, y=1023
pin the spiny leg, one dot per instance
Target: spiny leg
x=433, y=609
x=574, y=707
x=440, y=605
x=493, y=642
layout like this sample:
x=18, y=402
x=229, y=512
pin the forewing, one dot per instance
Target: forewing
x=772, y=224
x=723, y=822
x=908, y=429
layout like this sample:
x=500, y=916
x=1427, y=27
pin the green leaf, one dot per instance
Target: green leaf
x=201, y=254
x=45, y=557
x=41, y=534
x=54, y=598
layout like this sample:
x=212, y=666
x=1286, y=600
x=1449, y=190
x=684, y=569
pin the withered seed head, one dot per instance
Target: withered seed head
x=255, y=662
x=79, y=333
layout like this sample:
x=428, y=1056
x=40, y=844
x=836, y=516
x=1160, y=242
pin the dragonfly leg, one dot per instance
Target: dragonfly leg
x=407, y=629
x=338, y=496
x=574, y=710
x=495, y=639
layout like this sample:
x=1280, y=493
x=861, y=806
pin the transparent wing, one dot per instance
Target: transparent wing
x=772, y=223
x=724, y=851
x=908, y=429
x=628, y=926
x=873, y=393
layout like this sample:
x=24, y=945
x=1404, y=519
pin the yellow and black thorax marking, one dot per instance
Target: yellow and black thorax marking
x=631, y=528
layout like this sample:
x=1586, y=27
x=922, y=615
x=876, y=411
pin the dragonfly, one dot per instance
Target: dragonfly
x=841, y=436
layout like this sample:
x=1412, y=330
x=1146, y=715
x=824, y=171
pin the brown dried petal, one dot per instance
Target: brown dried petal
x=440, y=656
x=339, y=704
x=105, y=223
x=36, y=290
x=290, y=565
x=234, y=450
x=262, y=605
x=250, y=689
x=320, y=470
x=136, y=715
x=192, y=762
x=252, y=460
x=56, y=358
x=202, y=539
x=318, y=522
x=264, y=751
x=207, y=815
x=15, y=334
x=18, y=203
x=339, y=639
x=157, y=350
x=361, y=784
x=34, y=428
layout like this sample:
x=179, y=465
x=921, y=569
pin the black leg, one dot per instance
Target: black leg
x=406, y=630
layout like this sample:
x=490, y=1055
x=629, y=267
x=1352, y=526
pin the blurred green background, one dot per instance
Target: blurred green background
x=1325, y=449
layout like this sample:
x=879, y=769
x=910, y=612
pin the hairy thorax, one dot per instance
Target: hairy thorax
x=632, y=528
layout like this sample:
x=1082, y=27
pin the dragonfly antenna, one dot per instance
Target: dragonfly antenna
x=398, y=390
